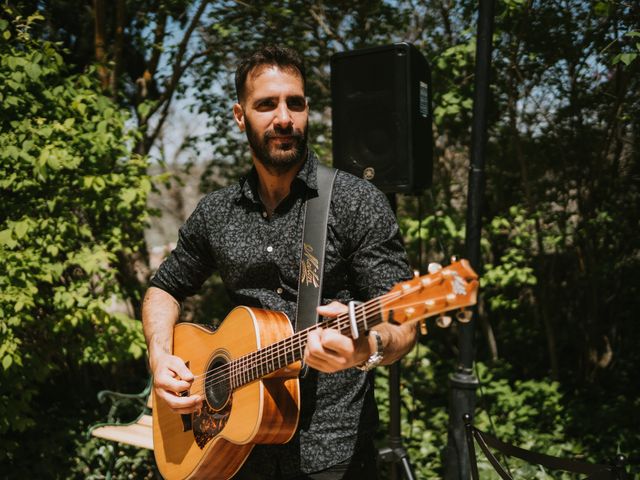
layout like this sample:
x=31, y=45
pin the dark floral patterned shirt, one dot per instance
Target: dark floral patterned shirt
x=258, y=259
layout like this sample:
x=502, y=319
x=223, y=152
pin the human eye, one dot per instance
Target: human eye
x=296, y=104
x=265, y=105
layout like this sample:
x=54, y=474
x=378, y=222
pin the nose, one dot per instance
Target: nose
x=283, y=116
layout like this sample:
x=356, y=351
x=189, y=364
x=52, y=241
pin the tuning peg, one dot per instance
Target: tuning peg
x=423, y=327
x=434, y=267
x=443, y=321
x=454, y=258
x=416, y=273
x=464, y=315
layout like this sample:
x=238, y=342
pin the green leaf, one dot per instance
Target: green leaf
x=7, y=361
x=144, y=109
x=129, y=195
x=627, y=58
x=20, y=229
x=6, y=239
x=33, y=70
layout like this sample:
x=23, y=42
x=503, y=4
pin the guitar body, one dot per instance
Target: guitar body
x=215, y=442
x=247, y=372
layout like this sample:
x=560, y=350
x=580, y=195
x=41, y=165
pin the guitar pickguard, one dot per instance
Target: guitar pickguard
x=208, y=423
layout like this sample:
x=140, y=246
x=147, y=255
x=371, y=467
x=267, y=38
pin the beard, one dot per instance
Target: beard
x=278, y=157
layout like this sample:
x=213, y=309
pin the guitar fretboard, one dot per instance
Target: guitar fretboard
x=283, y=353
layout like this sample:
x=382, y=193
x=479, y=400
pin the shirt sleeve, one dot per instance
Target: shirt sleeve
x=191, y=262
x=377, y=258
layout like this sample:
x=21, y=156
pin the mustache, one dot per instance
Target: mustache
x=296, y=133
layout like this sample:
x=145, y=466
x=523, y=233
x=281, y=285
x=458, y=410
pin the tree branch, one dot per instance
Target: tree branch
x=158, y=39
x=177, y=69
x=165, y=109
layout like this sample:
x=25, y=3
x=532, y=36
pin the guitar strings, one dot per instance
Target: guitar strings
x=249, y=362
x=325, y=324
x=244, y=368
x=274, y=351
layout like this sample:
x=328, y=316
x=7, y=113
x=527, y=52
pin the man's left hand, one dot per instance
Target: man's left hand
x=328, y=350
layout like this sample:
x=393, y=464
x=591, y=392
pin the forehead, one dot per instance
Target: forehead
x=271, y=80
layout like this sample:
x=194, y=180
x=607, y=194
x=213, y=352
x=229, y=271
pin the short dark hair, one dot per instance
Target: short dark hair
x=283, y=57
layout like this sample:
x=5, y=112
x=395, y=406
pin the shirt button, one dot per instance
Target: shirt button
x=279, y=291
x=269, y=249
x=264, y=214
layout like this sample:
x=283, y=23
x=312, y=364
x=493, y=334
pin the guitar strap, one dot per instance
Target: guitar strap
x=314, y=239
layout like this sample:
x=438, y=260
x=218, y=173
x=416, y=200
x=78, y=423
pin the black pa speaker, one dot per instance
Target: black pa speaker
x=381, y=115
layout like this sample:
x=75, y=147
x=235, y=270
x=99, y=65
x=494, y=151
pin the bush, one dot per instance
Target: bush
x=73, y=197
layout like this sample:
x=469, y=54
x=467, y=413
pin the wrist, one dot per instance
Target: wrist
x=376, y=352
x=156, y=355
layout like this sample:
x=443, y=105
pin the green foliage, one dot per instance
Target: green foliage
x=424, y=425
x=514, y=237
x=561, y=216
x=95, y=457
x=528, y=413
x=72, y=197
x=453, y=64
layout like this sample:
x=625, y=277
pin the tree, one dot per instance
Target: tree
x=69, y=183
x=560, y=242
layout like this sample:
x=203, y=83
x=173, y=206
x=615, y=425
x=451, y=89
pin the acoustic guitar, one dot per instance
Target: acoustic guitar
x=247, y=370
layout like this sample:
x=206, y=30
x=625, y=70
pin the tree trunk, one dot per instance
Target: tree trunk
x=100, y=42
x=118, y=46
x=540, y=300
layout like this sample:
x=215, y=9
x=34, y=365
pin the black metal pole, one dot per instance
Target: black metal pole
x=463, y=382
x=395, y=454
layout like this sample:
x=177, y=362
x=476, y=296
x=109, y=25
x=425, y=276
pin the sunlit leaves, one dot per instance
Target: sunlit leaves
x=73, y=196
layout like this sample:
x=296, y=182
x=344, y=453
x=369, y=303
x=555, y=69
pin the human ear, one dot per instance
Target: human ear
x=238, y=115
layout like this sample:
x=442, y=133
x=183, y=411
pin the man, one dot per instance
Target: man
x=251, y=233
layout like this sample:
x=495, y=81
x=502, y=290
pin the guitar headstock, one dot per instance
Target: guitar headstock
x=450, y=288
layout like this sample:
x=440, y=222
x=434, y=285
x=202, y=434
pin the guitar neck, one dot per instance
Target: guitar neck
x=445, y=289
x=283, y=353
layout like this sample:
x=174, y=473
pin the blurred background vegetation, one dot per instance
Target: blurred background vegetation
x=116, y=117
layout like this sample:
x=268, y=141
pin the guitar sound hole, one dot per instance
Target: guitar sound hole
x=217, y=388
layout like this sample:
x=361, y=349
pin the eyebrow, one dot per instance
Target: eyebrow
x=273, y=97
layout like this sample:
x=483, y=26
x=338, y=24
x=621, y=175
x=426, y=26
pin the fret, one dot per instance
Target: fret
x=259, y=367
x=273, y=362
x=364, y=317
x=254, y=373
x=245, y=374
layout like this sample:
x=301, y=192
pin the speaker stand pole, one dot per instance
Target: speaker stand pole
x=463, y=383
x=395, y=453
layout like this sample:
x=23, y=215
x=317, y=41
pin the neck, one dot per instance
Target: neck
x=274, y=187
x=289, y=350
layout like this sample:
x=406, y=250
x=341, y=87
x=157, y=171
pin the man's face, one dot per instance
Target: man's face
x=274, y=113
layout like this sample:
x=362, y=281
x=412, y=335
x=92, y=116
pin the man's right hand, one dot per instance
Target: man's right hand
x=171, y=377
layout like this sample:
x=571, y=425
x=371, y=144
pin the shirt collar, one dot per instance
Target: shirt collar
x=305, y=179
